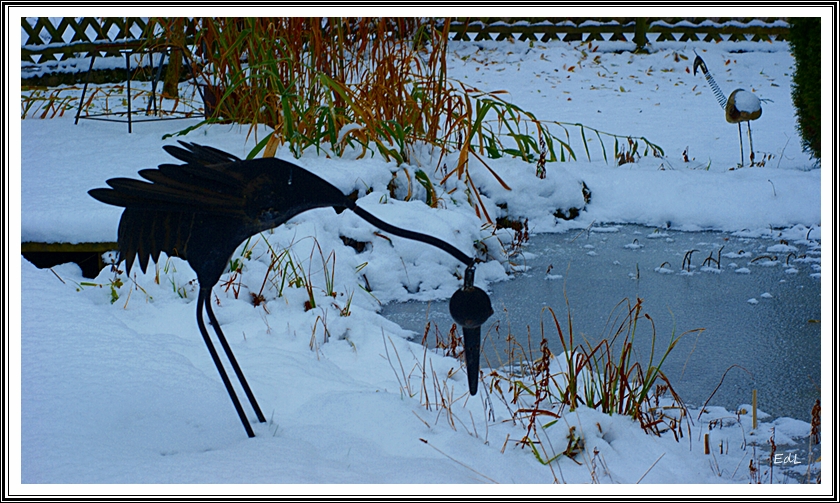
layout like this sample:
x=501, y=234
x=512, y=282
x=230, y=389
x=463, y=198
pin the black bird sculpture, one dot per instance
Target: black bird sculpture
x=202, y=210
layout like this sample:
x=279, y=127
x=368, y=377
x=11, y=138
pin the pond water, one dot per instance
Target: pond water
x=758, y=313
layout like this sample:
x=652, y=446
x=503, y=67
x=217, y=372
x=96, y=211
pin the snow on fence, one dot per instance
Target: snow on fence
x=640, y=31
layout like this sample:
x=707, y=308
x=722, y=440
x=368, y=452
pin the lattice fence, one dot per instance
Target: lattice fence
x=53, y=39
x=637, y=30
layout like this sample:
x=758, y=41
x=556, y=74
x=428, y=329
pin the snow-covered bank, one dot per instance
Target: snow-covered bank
x=655, y=192
x=132, y=397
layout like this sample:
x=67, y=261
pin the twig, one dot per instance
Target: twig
x=687, y=257
x=388, y=357
x=738, y=465
x=421, y=420
x=650, y=468
x=703, y=408
x=57, y=276
x=460, y=463
x=587, y=230
x=783, y=153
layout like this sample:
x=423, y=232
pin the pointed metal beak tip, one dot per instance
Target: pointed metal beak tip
x=472, y=355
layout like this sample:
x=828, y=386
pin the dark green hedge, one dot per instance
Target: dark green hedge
x=805, y=91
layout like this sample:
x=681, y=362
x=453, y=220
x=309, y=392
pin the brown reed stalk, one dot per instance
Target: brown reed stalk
x=358, y=86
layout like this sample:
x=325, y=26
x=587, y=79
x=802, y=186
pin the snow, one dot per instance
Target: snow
x=125, y=393
x=80, y=64
x=781, y=248
x=747, y=102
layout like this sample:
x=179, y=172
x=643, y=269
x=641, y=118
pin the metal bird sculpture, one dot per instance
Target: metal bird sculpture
x=741, y=106
x=203, y=209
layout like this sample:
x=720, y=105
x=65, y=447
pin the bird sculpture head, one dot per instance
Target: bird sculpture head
x=470, y=307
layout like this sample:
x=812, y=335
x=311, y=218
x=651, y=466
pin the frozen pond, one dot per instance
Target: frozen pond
x=758, y=313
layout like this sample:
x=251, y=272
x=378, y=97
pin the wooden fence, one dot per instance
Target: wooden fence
x=640, y=31
x=46, y=40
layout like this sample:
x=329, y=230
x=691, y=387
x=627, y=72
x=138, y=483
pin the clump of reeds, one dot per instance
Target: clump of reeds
x=607, y=376
x=359, y=86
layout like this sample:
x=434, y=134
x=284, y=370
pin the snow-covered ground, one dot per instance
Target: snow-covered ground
x=116, y=386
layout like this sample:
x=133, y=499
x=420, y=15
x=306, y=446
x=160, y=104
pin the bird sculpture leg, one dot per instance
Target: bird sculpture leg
x=202, y=295
x=752, y=154
x=741, y=144
x=244, y=382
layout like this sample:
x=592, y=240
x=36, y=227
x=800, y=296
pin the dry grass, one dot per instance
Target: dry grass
x=536, y=387
x=608, y=376
x=358, y=86
x=352, y=87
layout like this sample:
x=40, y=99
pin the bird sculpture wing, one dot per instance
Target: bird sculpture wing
x=203, y=209
x=206, y=183
x=209, y=205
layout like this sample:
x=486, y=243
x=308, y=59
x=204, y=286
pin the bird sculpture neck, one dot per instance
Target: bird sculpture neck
x=699, y=63
x=469, y=276
x=416, y=236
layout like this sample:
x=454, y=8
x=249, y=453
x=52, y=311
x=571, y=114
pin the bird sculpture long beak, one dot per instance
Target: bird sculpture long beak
x=470, y=307
x=698, y=63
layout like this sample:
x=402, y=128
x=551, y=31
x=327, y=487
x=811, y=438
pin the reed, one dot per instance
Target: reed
x=358, y=86
x=609, y=376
